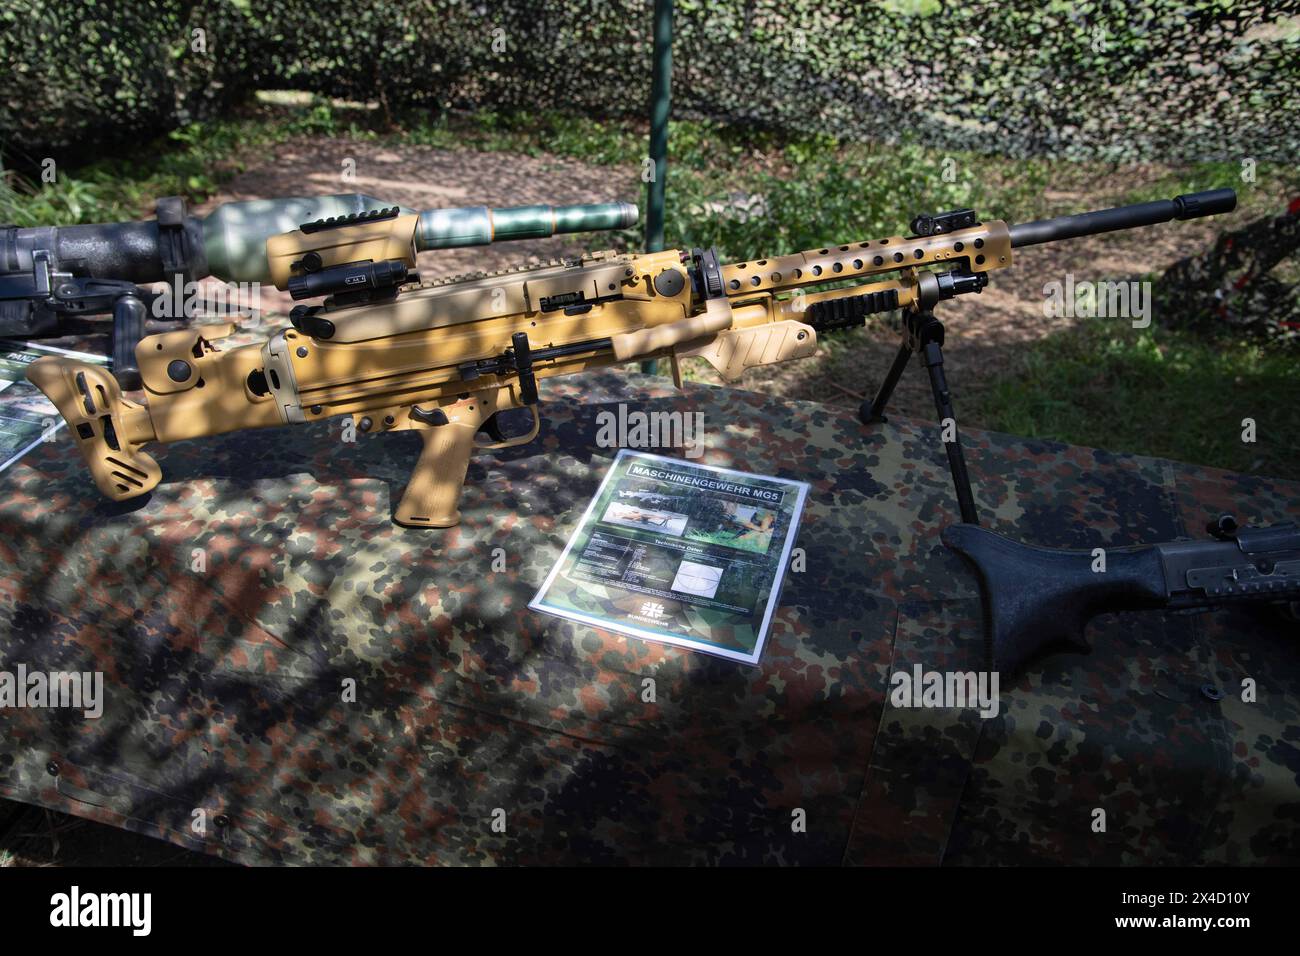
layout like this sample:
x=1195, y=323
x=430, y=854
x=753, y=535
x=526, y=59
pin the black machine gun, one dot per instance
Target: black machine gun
x=1039, y=598
x=49, y=273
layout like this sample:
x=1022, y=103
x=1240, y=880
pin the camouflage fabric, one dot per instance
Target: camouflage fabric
x=291, y=678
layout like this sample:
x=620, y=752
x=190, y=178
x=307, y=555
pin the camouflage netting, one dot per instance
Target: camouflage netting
x=1115, y=79
x=1239, y=284
x=1110, y=78
x=82, y=74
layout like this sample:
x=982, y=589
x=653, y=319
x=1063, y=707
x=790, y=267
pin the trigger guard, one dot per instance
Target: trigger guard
x=492, y=428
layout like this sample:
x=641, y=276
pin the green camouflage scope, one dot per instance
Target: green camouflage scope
x=235, y=234
x=230, y=243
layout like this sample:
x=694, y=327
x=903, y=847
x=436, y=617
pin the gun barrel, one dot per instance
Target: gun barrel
x=126, y=251
x=1188, y=206
x=481, y=225
x=230, y=243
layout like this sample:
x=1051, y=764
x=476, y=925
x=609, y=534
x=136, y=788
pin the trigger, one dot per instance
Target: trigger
x=492, y=428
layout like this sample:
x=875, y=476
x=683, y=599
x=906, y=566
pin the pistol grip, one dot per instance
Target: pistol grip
x=90, y=401
x=432, y=494
x=448, y=433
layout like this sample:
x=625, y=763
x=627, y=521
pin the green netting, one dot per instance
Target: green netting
x=1109, y=78
x=1212, y=79
x=81, y=75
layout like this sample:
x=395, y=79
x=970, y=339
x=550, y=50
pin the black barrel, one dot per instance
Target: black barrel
x=1190, y=206
x=132, y=251
x=126, y=251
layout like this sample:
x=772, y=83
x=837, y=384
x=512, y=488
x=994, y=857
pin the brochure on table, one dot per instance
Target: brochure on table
x=680, y=553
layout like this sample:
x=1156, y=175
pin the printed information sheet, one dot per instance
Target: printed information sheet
x=679, y=553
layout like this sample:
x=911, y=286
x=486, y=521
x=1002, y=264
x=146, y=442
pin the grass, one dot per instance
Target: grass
x=813, y=188
x=192, y=161
x=758, y=543
x=1163, y=393
x=1160, y=392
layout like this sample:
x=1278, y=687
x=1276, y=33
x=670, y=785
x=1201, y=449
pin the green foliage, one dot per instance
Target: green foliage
x=532, y=133
x=85, y=75
x=954, y=76
x=1165, y=393
x=191, y=161
x=823, y=191
x=1119, y=80
x=731, y=539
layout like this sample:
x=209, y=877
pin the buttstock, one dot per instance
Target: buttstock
x=1037, y=599
x=90, y=401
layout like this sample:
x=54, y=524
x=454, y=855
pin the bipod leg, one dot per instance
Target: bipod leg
x=933, y=354
x=873, y=412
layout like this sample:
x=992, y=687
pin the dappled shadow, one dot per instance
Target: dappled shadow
x=227, y=680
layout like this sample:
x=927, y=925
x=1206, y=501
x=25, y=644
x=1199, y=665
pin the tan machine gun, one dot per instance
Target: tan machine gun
x=444, y=358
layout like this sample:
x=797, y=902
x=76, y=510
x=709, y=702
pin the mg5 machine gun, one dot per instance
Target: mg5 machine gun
x=444, y=358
